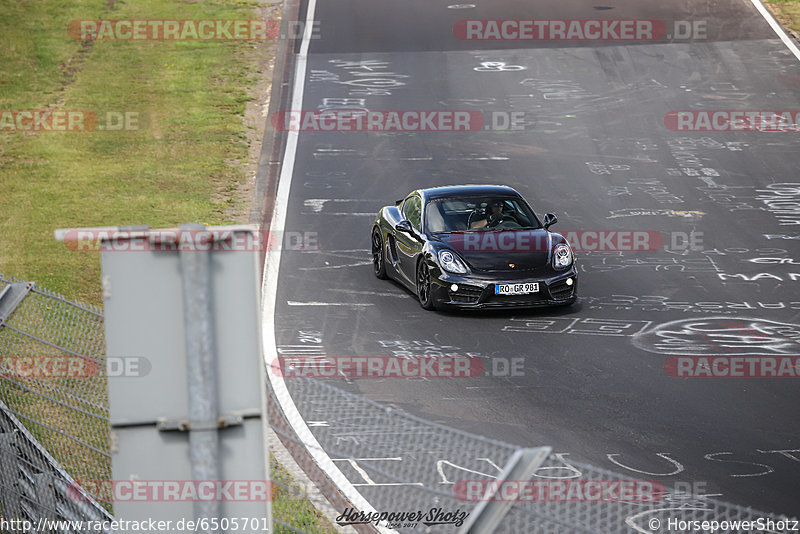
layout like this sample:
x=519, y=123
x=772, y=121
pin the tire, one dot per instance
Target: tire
x=378, y=254
x=424, y=286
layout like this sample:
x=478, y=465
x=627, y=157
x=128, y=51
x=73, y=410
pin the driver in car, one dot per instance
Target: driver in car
x=491, y=218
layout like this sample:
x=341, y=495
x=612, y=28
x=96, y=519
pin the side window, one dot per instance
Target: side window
x=412, y=210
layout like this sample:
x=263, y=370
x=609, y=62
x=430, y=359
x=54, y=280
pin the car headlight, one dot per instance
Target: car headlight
x=562, y=256
x=451, y=263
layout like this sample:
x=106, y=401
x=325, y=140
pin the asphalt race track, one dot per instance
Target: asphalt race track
x=593, y=148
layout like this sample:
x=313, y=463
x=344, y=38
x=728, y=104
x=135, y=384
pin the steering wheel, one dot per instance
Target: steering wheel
x=510, y=223
x=495, y=219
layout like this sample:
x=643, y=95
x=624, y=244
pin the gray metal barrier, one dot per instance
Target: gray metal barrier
x=54, y=432
x=53, y=376
x=36, y=494
x=401, y=463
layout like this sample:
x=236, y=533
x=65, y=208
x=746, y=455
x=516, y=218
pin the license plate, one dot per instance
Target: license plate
x=516, y=289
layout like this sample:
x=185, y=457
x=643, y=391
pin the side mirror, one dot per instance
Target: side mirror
x=549, y=220
x=404, y=226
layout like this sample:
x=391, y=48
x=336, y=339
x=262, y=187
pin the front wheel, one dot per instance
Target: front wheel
x=378, y=256
x=424, y=286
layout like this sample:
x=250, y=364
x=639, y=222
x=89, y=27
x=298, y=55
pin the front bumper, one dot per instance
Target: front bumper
x=476, y=291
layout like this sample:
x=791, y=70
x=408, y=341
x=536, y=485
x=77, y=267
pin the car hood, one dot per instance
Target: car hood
x=499, y=250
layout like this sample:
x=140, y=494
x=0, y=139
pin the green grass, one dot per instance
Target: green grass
x=289, y=505
x=787, y=12
x=185, y=162
x=181, y=165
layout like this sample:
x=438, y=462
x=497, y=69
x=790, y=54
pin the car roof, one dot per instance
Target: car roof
x=432, y=193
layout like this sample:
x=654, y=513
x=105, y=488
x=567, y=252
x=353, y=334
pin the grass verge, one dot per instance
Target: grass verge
x=788, y=14
x=289, y=506
x=175, y=146
x=179, y=157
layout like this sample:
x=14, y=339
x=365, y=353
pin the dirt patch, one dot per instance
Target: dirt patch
x=788, y=14
x=255, y=116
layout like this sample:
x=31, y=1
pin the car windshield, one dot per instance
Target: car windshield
x=479, y=214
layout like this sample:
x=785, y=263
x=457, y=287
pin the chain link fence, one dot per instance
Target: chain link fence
x=54, y=430
x=54, y=403
x=402, y=463
x=35, y=492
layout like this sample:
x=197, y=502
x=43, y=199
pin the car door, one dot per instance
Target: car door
x=408, y=245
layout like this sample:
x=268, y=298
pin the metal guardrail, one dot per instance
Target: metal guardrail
x=54, y=430
x=35, y=489
x=403, y=463
x=53, y=376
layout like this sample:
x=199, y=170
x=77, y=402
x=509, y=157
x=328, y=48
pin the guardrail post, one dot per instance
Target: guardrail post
x=186, y=302
x=45, y=496
x=11, y=296
x=9, y=477
x=201, y=368
x=489, y=512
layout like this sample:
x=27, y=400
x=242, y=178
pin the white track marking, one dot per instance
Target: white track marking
x=345, y=214
x=374, y=484
x=272, y=267
x=375, y=293
x=317, y=204
x=270, y=287
x=479, y=158
x=776, y=27
x=359, y=264
x=678, y=466
x=370, y=482
x=295, y=303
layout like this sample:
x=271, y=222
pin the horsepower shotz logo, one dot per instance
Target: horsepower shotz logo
x=538, y=241
x=407, y=519
x=377, y=367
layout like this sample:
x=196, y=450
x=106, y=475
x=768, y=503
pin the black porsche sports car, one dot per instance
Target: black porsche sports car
x=473, y=246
